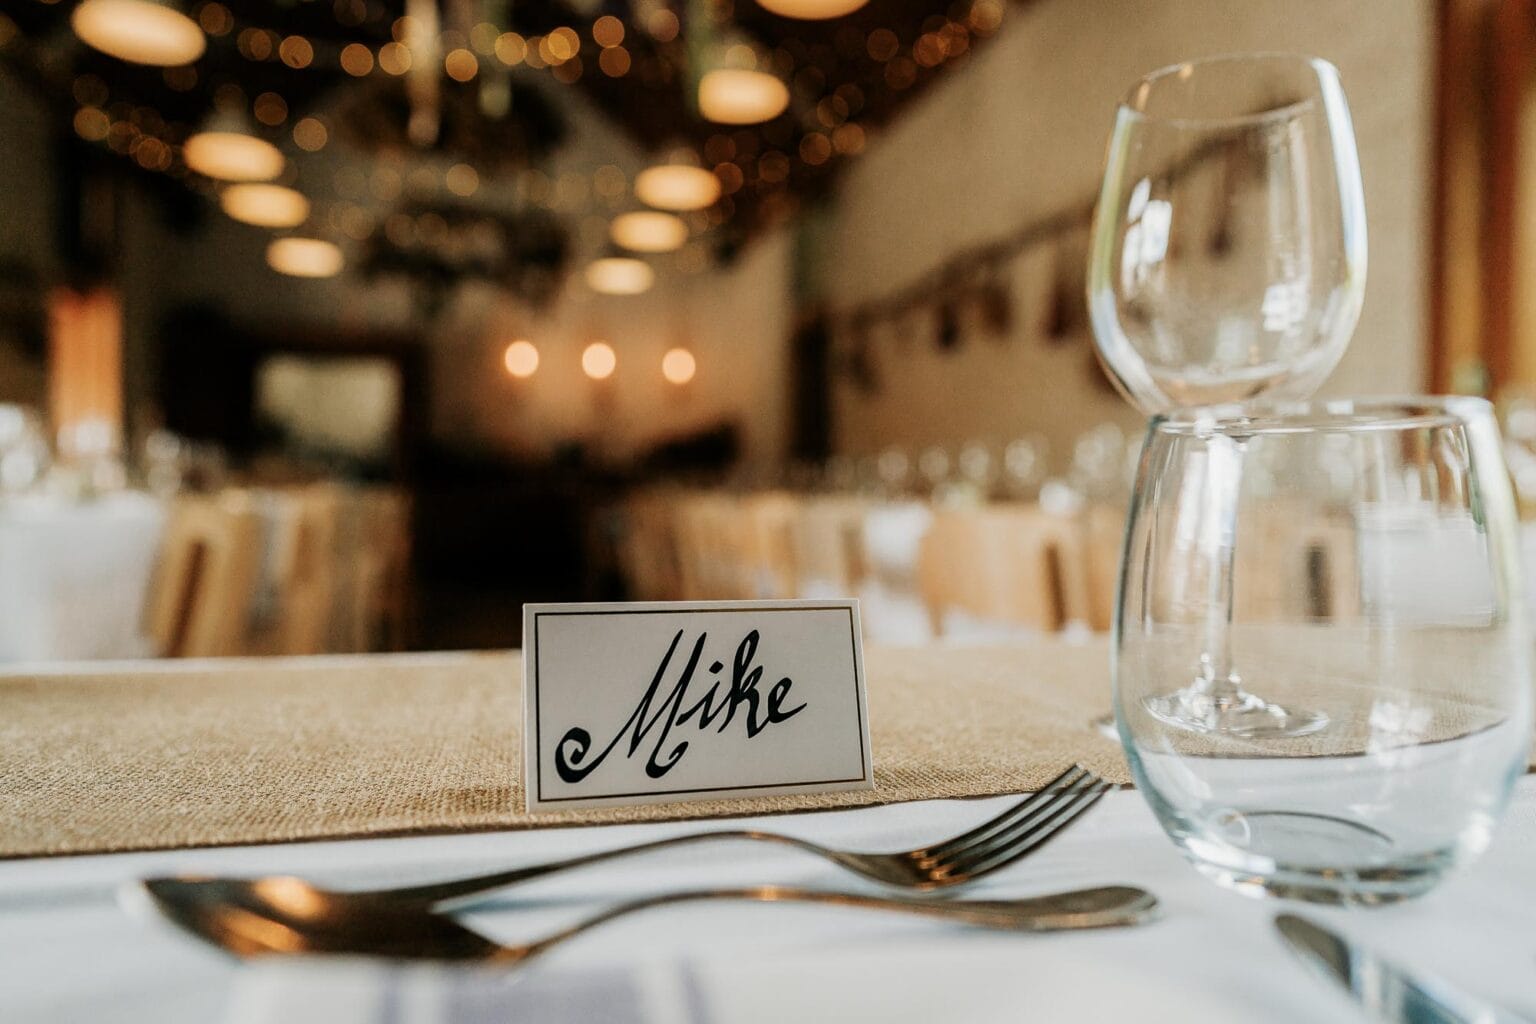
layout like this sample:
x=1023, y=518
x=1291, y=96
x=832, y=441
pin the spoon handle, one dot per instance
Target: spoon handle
x=1104, y=907
x=456, y=892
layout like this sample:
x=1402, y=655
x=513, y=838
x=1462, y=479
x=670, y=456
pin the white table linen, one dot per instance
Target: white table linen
x=75, y=576
x=70, y=952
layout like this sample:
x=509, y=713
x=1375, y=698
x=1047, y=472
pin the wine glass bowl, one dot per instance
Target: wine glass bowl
x=1377, y=585
x=1229, y=240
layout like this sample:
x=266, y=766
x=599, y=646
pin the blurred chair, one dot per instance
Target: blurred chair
x=648, y=547
x=829, y=546
x=377, y=576
x=1105, y=529
x=305, y=568
x=1295, y=563
x=1003, y=570
x=204, y=586
x=891, y=604
x=769, y=520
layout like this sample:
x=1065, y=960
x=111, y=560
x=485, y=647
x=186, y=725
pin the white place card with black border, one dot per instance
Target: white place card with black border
x=653, y=702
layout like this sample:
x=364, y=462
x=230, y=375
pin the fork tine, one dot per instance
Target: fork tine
x=993, y=856
x=987, y=833
x=1005, y=818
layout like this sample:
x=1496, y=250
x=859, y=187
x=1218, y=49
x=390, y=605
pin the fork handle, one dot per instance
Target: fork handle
x=460, y=891
x=1103, y=907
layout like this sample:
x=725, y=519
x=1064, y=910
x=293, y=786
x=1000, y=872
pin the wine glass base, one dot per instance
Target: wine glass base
x=1232, y=711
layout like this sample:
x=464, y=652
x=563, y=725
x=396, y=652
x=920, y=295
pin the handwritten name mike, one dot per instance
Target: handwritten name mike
x=656, y=721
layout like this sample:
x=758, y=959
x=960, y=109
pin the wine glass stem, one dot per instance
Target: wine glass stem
x=1224, y=484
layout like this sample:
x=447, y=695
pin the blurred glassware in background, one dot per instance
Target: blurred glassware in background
x=24, y=451
x=1024, y=467
x=933, y=468
x=978, y=466
x=1520, y=449
x=1099, y=464
x=1388, y=599
x=162, y=462
x=895, y=469
x=841, y=474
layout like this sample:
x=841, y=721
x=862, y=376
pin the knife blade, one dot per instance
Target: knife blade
x=1383, y=989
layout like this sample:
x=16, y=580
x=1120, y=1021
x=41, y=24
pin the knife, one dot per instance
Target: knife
x=1383, y=989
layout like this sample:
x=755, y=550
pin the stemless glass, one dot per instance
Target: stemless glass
x=1377, y=581
x=1228, y=263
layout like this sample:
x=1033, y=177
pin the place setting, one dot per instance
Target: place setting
x=494, y=496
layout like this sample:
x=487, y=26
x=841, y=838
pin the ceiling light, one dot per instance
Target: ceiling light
x=619, y=275
x=677, y=187
x=227, y=149
x=304, y=257
x=139, y=31
x=740, y=96
x=266, y=206
x=812, y=10
x=648, y=231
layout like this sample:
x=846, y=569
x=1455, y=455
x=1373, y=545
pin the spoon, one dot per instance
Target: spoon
x=287, y=915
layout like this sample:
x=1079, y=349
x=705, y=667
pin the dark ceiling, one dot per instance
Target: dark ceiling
x=847, y=76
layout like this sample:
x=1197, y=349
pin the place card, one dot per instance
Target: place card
x=652, y=702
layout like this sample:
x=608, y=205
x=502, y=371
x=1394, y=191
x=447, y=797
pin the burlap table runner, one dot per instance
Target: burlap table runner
x=276, y=750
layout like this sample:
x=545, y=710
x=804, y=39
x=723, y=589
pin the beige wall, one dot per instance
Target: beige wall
x=1019, y=134
x=735, y=321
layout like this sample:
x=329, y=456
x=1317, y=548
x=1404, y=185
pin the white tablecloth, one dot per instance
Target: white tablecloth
x=74, y=576
x=69, y=953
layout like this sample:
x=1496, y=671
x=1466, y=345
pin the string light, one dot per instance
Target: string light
x=461, y=65
x=511, y=48
x=310, y=134
x=462, y=180
x=614, y=61
x=598, y=360
x=296, y=52
x=607, y=31
x=271, y=109
x=356, y=60
x=395, y=58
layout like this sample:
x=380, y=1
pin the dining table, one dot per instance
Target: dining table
x=111, y=773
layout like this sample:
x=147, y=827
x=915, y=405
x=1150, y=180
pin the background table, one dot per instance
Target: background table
x=70, y=953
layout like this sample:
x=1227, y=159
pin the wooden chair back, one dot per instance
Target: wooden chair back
x=828, y=546
x=200, y=603
x=1005, y=563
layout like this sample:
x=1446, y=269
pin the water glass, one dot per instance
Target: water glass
x=1376, y=584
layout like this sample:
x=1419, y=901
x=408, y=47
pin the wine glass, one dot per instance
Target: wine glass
x=1228, y=263
x=1379, y=583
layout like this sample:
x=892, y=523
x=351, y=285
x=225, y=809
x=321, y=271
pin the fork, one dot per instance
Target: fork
x=996, y=843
